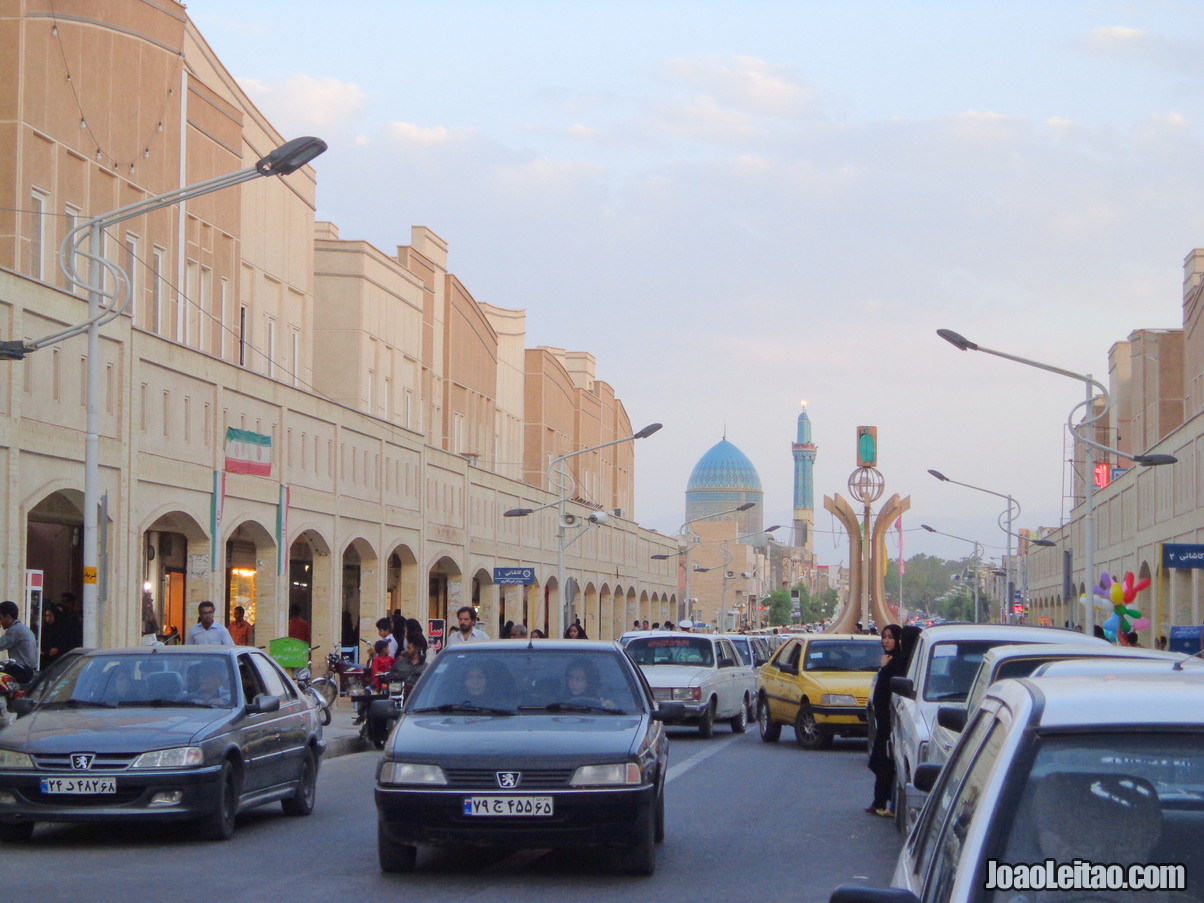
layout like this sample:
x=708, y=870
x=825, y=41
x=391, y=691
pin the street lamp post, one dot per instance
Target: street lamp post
x=684, y=530
x=1079, y=432
x=727, y=559
x=1013, y=510
x=565, y=487
x=978, y=553
x=105, y=305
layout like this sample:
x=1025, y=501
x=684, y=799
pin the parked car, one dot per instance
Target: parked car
x=703, y=672
x=160, y=734
x=552, y=744
x=943, y=666
x=1096, y=768
x=1005, y=662
x=754, y=651
x=818, y=683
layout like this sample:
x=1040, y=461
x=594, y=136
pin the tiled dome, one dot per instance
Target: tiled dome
x=724, y=468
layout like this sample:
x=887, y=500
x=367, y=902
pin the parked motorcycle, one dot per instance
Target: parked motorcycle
x=304, y=682
x=342, y=676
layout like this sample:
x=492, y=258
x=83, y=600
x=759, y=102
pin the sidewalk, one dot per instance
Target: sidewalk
x=342, y=737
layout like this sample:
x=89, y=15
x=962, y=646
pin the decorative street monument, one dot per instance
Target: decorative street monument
x=867, y=538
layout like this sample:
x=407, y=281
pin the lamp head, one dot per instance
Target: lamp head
x=940, y=476
x=517, y=512
x=1042, y=542
x=958, y=341
x=746, y=506
x=928, y=528
x=290, y=156
x=771, y=529
x=648, y=431
x=661, y=557
x=1155, y=460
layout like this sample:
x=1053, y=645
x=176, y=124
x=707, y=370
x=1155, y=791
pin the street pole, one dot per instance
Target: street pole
x=1089, y=521
x=867, y=563
x=91, y=616
x=1007, y=605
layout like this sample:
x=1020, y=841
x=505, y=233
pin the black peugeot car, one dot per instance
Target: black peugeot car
x=550, y=743
x=159, y=734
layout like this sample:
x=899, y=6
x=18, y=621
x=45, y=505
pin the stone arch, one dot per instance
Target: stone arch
x=250, y=579
x=549, y=602
x=445, y=589
x=311, y=585
x=402, y=582
x=361, y=596
x=619, y=607
x=590, y=613
x=175, y=571
x=484, y=600
x=606, y=614
x=645, y=609
x=633, y=607
x=1145, y=601
x=54, y=523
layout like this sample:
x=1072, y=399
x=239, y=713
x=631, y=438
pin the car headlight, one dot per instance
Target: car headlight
x=180, y=757
x=598, y=775
x=409, y=773
x=10, y=759
x=687, y=693
x=837, y=699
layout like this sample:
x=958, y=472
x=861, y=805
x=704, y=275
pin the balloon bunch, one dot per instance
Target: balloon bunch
x=1118, y=596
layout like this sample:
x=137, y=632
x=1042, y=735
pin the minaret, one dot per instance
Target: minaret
x=804, y=484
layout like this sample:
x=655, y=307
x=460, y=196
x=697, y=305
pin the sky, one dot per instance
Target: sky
x=739, y=206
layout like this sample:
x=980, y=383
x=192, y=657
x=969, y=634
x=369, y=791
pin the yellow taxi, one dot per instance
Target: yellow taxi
x=818, y=684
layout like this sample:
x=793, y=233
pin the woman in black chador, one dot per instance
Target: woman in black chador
x=882, y=763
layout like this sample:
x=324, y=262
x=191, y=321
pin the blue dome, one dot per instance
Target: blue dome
x=724, y=468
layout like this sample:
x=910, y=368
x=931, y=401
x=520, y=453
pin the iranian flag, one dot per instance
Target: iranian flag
x=248, y=452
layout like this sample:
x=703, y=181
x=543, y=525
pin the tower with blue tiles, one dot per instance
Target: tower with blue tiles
x=804, y=484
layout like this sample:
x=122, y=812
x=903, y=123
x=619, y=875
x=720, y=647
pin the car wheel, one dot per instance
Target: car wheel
x=219, y=824
x=659, y=836
x=393, y=856
x=771, y=732
x=807, y=732
x=739, y=721
x=641, y=858
x=307, y=790
x=21, y=832
x=706, y=723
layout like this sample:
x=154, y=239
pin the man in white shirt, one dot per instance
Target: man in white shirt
x=208, y=633
x=468, y=632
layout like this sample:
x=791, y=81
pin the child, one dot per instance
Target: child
x=377, y=673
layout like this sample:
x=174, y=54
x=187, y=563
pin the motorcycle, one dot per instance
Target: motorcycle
x=302, y=676
x=342, y=675
x=383, y=711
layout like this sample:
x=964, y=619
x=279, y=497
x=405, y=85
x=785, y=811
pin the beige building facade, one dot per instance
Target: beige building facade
x=403, y=415
x=1156, y=380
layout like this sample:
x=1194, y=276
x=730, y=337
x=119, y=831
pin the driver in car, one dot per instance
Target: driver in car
x=212, y=684
x=582, y=681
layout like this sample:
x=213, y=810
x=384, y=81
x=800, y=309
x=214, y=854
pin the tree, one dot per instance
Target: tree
x=928, y=579
x=779, y=608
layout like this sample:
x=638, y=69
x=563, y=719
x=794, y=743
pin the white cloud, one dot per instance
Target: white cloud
x=409, y=133
x=302, y=103
x=744, y=83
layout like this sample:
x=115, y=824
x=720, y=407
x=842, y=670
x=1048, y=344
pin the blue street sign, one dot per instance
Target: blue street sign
x=1182, y=555
x=514, y=576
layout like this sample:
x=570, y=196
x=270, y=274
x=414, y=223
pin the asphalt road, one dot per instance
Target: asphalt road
x=745, y=820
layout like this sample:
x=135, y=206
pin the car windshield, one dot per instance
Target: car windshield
x=952, y=667
x=527, y=681
x=846, y=655
x=672, y=650
x=1111, y=797
x=113, y=681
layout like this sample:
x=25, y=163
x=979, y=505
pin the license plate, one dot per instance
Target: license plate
x=508, y=805
x=79, y=785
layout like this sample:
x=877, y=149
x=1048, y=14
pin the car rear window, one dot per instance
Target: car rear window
x=847, y=655
x=741, y=646
x=527, y=681
x=672, y=650
x=111, y=681
x=952, y=667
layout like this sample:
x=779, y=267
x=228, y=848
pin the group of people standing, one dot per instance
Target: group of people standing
x=32, y=648
x=898, y=643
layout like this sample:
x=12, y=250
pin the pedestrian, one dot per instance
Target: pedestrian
x=382, y=662
x=21, y=644
x=73, y=625
x=687, y=625
x=504, y=633
x=881, y=762
x=518, y=632
x=635, y=625
x=298, y=627
x=538, y=634
x=575, y=632
x=1133, y=639
x=1160, y=643
x=468, y=631
x=384, y=631
x=409, y=666
x=240, y=628
x=52, y=636
x=645, y=627
x=656, y=625
x=206, y=632
x=415, y=637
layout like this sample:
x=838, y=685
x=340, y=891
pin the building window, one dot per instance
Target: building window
x=457, y=435
x=166, y=410
x=189, y=300
x=83, y=381
x=56, y=374
x=142, y=407
x=205, y=317
x=219, y=328
x=296, y=358
x=71, y=217
x=156, y=317
x=371, y=376
x=242, y=335
x=109, y=388
x=271, y=348
x=37, y=232
x=130, y=265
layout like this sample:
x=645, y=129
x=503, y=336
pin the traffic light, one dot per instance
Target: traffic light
x=867, y=446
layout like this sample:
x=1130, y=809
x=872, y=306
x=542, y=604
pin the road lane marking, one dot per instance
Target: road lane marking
x=682, y=767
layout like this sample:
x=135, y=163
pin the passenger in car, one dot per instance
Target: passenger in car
x=583, y=683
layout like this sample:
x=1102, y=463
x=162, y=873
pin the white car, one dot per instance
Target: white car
x=1005, y=662
x=1084, y=788
x=701, y=671
x=943, y=666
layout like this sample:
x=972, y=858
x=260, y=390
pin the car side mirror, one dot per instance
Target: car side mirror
x=925, y=776
x=21, y=706
x=859, y=893
x=263, y=704
x=952, y=718
x=902, y=686
x=669, y=711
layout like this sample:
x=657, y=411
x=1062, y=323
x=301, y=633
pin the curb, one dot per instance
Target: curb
x=344, y=746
